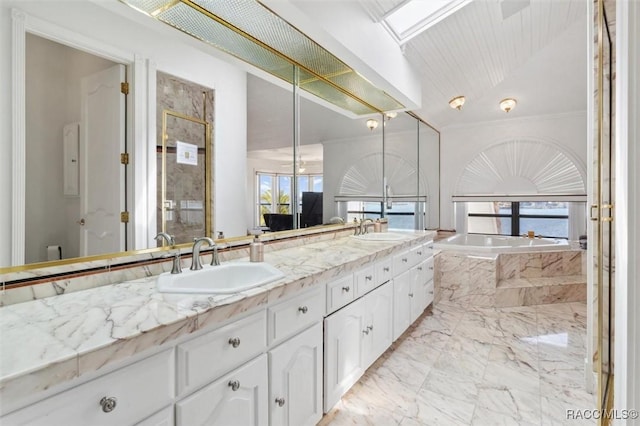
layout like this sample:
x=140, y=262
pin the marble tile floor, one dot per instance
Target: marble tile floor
x=477, y=366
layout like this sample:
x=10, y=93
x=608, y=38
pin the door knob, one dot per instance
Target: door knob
x=80, y=222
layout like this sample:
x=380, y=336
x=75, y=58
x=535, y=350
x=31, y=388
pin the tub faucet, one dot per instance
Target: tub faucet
x=176, y=267
x=196, y=264
x=363, y=226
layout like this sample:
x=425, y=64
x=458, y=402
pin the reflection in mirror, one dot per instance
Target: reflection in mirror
x=184, y=154
x=74, y=113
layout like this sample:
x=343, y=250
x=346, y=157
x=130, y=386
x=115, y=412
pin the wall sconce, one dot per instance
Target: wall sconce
x=457, y=102
x=372, y=123
x=507, y=104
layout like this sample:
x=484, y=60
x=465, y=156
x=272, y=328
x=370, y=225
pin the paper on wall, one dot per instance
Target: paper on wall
x=187, y=153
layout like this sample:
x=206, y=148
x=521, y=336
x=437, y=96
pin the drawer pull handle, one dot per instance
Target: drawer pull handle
x=280, y=402
x=404, y=259
x=386, y=269
x=234, y=341
x=234, y=385
x=368, y=277
x=346, y=288
x=303, y=309
x=410, y=294
x=108, y=404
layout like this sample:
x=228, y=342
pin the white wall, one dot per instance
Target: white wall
x=92, y=26
x=460, y=145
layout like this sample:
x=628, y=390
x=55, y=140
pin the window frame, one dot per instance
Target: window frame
x=515, y=217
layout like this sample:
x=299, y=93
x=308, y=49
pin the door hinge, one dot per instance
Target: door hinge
x=609, y=217
x=124, y=217
x=124, y=87
x=124, y=158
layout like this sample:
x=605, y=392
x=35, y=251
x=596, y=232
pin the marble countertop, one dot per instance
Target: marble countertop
x=49, y=341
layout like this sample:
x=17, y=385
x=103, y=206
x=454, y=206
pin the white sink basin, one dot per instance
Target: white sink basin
x=226, y=278
x=380, y=236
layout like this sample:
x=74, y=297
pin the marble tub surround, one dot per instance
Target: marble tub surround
x=65, y=277
x=78, y=333
x=461, y=365
x=510, y=279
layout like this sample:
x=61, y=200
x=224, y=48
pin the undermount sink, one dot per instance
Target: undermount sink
x=380, y=236
x=226, y=278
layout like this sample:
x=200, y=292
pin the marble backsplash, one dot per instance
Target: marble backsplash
x=56, y=280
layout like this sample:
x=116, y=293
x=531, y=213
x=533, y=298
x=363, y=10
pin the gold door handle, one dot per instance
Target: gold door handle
x=591, y=216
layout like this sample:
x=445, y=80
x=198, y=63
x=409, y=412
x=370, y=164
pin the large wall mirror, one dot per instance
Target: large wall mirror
x=307, y=161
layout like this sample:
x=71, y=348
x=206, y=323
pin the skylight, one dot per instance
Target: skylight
x=414, y=16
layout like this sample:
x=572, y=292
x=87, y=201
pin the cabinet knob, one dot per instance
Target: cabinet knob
x=410, y=294
x=280, y=402
x=108, y=404
x=345, y=288
x=419, y=253
x=234, y=341
x=431, y=268
x=234, y=385
x=404, y=259
x=386, y=269
x=303, y=309
x=419, y=268
x=366, y=330
x=370, y=327
x=368, y=277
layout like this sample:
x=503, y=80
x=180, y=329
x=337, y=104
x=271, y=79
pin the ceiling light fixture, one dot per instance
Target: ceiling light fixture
x=457, y=102
x=507, y=104
x=390, y=115
x=372, y=123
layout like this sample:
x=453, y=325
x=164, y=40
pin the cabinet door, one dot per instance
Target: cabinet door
x=342, y=351
x=295, y=380
x=378, y=323
x=401, y=302
x=418, y=293
x=237, y=399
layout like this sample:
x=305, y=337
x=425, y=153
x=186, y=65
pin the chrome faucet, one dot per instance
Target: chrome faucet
x=363, y=226
x=196, y=264
x=176, y=268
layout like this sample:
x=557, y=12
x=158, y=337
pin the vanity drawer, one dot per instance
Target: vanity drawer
x=419, y=253
x=339, y=293
x=211, y=355
x=384, y=270
x=430, y=291
x=401, y=262
x=364, y=280
x=295, y=314
x=122, y=397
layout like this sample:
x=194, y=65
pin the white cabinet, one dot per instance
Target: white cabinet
x=207, y=357
x=288, y=317
x=237, y=399
x=378, y=324
x=354, y=337
x=413, y=292
x=343, y=346
x=402, y=302
x=340, y=292
x=364, y=280
x=124, y=397
x=295, y=380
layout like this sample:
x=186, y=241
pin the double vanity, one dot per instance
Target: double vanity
x=280, y=353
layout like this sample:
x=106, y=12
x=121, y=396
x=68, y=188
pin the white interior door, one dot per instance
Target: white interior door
x=102, y=176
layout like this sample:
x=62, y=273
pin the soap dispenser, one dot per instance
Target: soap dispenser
x=256, y=250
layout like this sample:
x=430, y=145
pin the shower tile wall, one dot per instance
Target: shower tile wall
x=185, y=183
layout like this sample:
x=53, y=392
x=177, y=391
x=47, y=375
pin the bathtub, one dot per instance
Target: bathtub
x=499, y=243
